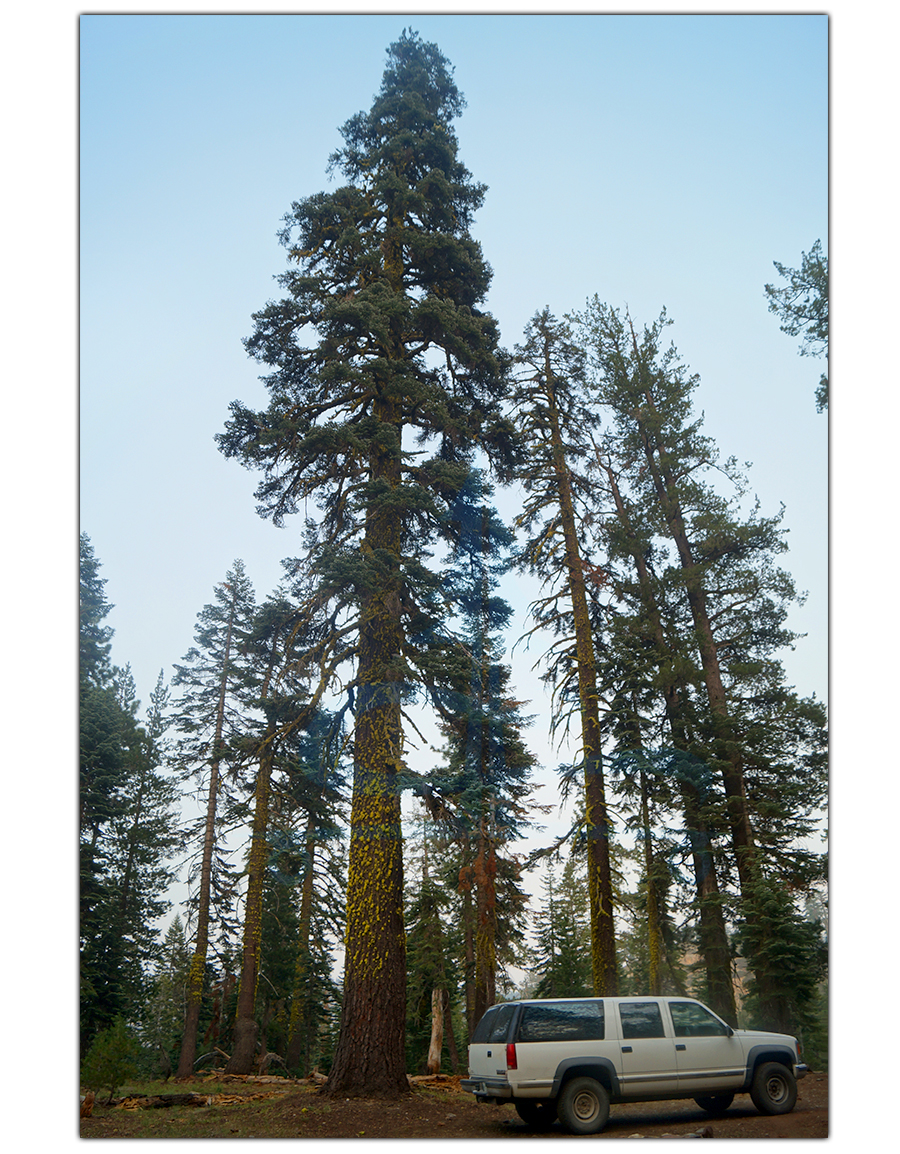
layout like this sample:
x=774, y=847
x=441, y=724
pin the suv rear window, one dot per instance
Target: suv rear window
x=494, y=1024
x=561, y=1022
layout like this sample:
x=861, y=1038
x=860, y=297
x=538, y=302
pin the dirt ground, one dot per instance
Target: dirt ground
x=433, y=1109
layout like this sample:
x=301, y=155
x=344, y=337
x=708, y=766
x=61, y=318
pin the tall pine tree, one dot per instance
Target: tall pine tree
x=722, y=578
x=387, y=288
x=556, y=416
x=210, y=715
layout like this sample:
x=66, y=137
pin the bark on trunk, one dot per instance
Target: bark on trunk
x=370, y=1056
x=603, y=937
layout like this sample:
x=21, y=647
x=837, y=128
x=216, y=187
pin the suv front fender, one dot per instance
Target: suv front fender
x=772, y=1053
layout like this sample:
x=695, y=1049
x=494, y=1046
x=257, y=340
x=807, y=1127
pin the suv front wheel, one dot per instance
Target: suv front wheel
x=774, y=1090
x=583, y=1106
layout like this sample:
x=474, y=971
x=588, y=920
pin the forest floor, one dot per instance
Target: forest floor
x=435, y=1108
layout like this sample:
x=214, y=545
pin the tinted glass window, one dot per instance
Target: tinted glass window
x=494, y=1024
x=561, y=1022
x=641, y=1020
x=693, y=1021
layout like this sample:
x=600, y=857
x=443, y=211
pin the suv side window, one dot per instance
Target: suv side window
x=693, y=1021
x=494, y=1024
x=562, y=1022
x=641, y=1020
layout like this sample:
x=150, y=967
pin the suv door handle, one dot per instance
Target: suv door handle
x=679, y=1047
x=626, y=1049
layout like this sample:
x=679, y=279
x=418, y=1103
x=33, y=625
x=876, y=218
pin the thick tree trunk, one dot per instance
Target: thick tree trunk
x=370, y=1057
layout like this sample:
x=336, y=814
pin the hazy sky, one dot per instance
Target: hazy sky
x=658, y=161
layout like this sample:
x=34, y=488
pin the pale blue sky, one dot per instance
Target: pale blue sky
x=658, y=161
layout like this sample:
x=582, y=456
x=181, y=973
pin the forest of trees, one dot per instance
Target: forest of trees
x=355, y=905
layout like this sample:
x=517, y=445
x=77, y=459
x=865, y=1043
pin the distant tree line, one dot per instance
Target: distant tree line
x=330, y=928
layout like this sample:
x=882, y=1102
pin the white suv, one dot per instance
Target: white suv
x=570, y=1058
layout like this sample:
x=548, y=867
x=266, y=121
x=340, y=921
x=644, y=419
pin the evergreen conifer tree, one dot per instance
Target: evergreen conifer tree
x=102, y=763
x=388, y=284
x=432, y=980
x=268, y=649
x=722, y=579
x=650, y=671
x=163, y=1019
x=556, y=416
x=211, y=714
x=561, y=955
x=128, y=831
x=309, y=849
x=486, y=780
x=802, y=307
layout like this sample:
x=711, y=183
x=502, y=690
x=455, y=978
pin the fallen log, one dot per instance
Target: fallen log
x=160, y=1101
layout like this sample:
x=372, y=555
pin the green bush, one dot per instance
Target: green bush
x=111, y=1060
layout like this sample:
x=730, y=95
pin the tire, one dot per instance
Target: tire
x=535, y=1113
x=583, y=1106
x=773, y=1090
x=715, y=1104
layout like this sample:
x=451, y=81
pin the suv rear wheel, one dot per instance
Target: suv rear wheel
x=774, y=1090
x=536, y=1113
x=583, y=1106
